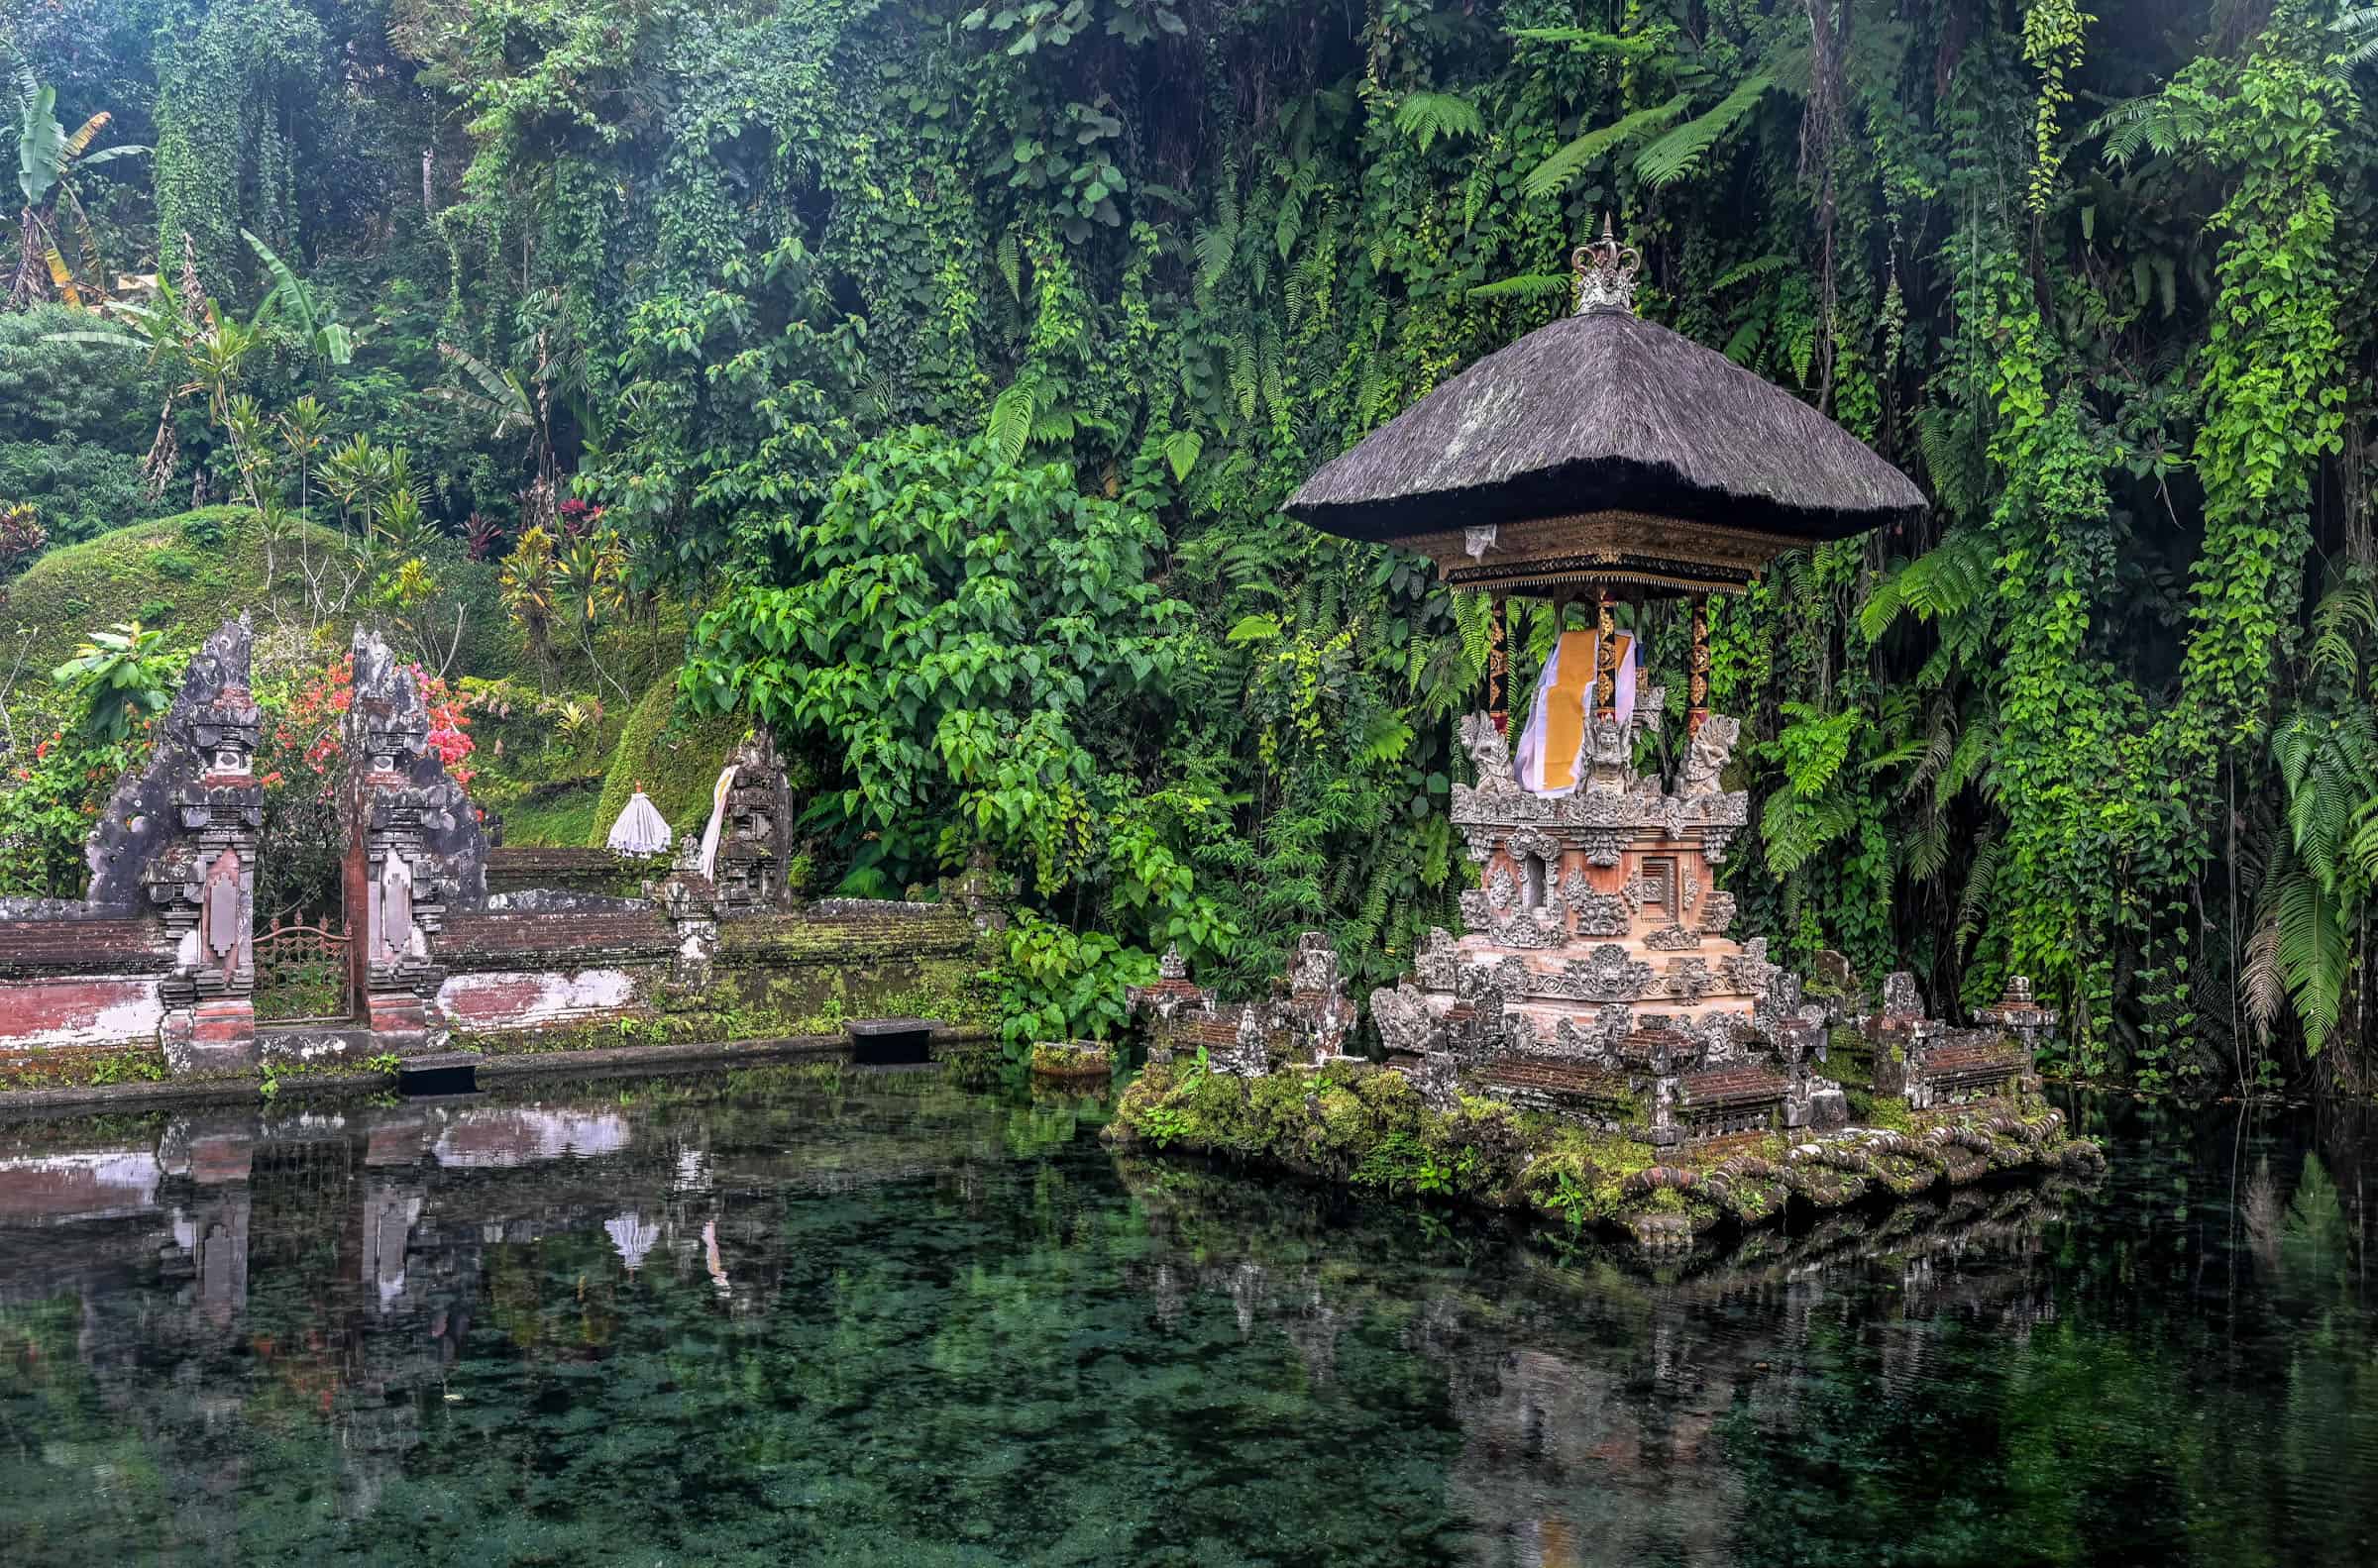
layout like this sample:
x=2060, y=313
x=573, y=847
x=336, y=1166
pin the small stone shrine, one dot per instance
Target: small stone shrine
x=1601, y=459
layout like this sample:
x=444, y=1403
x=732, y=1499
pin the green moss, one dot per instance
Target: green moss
x=1071, y=1060
x=678, y=765
x=564, y=820
x=198, y=567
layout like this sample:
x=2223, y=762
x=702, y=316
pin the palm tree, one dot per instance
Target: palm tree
x=46, y=156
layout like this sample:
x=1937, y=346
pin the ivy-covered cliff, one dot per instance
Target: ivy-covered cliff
x=951, y=364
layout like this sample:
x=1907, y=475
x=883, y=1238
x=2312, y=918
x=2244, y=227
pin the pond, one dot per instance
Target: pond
x=778, y=1317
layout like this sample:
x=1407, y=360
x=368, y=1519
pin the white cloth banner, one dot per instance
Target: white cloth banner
x=1530, y=757
x=709, y=834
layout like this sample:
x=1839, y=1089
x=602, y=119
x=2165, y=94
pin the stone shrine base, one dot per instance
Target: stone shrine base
x=1369, y=1128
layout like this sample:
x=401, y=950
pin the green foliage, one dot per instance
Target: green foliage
x=1059, y=984
x=1144, y=270
x=962, y=631
x=674, y=754
x=117, y=679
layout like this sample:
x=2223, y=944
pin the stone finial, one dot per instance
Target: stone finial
x=1605, y=273
x=1172, y=966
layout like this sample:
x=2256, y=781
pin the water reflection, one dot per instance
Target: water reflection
x=881, y=1319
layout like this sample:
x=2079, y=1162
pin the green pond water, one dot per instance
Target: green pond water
x=773, y=1319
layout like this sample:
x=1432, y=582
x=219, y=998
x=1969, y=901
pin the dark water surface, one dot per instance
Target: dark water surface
x=772, y=1319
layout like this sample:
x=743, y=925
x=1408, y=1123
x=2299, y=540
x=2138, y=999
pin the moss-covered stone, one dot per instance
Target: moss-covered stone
x=1369, y=1128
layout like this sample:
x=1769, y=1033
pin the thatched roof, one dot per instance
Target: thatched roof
x=1605, y=412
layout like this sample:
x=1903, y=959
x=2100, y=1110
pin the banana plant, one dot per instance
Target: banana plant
x=293, y=303
x=46, y=158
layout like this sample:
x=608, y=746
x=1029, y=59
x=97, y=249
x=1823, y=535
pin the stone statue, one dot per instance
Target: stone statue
x=1490, y=753
x=1705, y=761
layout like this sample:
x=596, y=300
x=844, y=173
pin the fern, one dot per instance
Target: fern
x=2357, y=32
x=1569, y=160
x=1946, y=581
x=2312, y=945
x=2154, y=119
x=1980, y=883
x=1011, y=424
x=1528, y=286
x=1757, y=266
x=1426, y=116
x=1674, y=155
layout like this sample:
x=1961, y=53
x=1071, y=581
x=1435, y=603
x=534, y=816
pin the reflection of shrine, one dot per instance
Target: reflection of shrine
x=1593, y=1390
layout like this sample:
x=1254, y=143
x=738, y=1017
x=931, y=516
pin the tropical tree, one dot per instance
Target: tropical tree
x=47, y=159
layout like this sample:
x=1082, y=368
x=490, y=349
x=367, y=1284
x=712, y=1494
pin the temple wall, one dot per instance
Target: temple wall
x=449, y=940
x=528, y=998
x=80, y=1010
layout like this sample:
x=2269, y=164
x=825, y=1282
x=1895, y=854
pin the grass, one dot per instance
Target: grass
x=564, y=818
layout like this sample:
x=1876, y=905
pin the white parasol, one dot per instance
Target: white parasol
x=639, y=830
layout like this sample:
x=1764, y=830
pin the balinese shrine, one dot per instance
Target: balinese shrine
x=1605, y=463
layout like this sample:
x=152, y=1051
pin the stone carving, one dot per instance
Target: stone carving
x=1172, y=966
x=1900, y=997
x=1404, y=1022
x=1502, y=889
x=1717, y=912
x=1672, y=939
x=1609, y=974
x=1534, y=841
x=1531, y=931
x=1438, y=1081
x=1689, y=980
x=1599, y=913
x=1607, y=748
x=417, y=837
x=1490, y=754
x=1314, y=966
x=1437, y=959
x=1246, y=1055
x=1705, y=760
x=1602, y=846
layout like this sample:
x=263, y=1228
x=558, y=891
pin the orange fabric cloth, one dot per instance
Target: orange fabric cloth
x=1565, y=710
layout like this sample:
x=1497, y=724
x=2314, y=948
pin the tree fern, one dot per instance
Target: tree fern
x=2314, y=950
x=1426, y=116
x=1946, y=581
x=1527, y=286
x=1674, y=155
x=1568, y=161
x=1757, y=266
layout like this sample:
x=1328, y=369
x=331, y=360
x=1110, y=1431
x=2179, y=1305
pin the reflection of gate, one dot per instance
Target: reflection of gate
x=301, y=972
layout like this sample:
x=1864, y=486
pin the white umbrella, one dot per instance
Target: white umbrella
x=639, y=830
